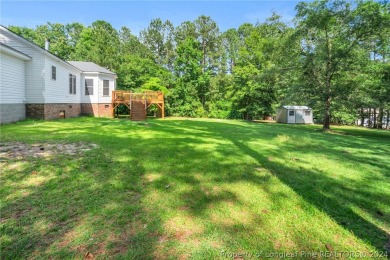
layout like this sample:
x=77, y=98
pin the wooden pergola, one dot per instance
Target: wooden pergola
x=138, y=103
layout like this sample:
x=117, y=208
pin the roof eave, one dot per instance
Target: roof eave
x=11, y=51
x=38, y=48
x=98, y=72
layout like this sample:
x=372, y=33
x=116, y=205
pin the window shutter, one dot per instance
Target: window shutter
x=70, y=84
x=74, y=84
x=53, y=72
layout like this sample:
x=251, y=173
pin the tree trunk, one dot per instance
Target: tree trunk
x=369, y=123
x=388, y=119
x=362, y=117
x=380, y=118
x=326, y=124
x=375, y=118
x=203, y=55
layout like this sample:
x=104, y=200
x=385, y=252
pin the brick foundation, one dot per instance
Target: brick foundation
x=95, y=109
x=52, y=111
x=35, y=111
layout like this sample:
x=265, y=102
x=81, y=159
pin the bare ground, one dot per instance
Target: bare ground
x=19, y=150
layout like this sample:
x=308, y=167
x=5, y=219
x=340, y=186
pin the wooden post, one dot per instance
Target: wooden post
x=113, y=104
x=131, y=97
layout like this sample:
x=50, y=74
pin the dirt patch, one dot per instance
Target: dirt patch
x=19, y=150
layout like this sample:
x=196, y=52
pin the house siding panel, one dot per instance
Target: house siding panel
x=57, y=91
x=106, y=99
x=90, y=98
x=34, y=94
x=12, y=89
x=12, y=81
x=34, y=68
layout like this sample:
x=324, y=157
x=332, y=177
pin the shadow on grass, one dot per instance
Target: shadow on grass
x=76, y=207
x=336, y=197
x=102, y=203
x=332, y=197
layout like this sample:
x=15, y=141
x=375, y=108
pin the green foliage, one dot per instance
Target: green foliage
x=255, y=71
x=335, y=60
x=158, y=38
x=136, y=71
x=99, y=43
x=331, y=34
x=154, y=84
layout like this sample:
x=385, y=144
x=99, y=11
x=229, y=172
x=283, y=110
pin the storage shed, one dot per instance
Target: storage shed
x=295, y=115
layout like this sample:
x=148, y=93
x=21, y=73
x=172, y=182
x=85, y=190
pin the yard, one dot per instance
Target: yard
x=191, y=188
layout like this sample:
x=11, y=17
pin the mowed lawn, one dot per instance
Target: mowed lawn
x=194, y=189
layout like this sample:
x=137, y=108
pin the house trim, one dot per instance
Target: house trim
x=15, y=53
x=39, y=48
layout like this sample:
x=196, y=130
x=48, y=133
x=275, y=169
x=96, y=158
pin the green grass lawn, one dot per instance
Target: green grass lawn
x=194, y=188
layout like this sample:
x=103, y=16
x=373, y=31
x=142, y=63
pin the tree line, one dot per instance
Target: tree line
x=333, y=58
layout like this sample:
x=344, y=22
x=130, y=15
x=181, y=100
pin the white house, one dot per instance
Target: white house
x=37, y=84
x=295, y=115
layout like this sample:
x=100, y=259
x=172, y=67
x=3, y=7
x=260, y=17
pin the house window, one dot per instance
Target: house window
x=88, y=87
x=291, y=113
x=307, y=113
x=53, y=72
x=72, y=84
x=106, y=87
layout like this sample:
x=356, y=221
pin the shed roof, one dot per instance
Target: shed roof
x=87, y=66
x=296, y=107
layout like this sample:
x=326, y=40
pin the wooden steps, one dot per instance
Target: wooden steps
x=137, y=102
x=138, y=111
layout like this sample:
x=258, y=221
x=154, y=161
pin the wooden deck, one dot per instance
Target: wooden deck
x=138, y=103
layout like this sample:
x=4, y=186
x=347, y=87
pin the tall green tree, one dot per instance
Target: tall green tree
x=131, y=45
x=231, y=44
x=158, y=37
x=186, y=96
x=329, y=33
x=257, y=75
x=185, y=30
x=208, y=37
x=99, y=43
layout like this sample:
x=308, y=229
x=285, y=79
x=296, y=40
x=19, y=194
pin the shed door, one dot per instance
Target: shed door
x=290, y=117
x=308, y=117
x=299, y=117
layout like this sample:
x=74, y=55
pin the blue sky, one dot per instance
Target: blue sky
x=137, y=14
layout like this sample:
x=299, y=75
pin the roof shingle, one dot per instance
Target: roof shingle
x=87, y=66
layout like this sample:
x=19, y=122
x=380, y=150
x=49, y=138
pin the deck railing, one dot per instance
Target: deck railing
x=125, y=96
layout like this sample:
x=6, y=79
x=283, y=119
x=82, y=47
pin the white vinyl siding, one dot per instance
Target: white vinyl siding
x=57, y=91
x=89, y=98
x=98, y=88
x=12, y=82
x=34, y=69
x=102, y=98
